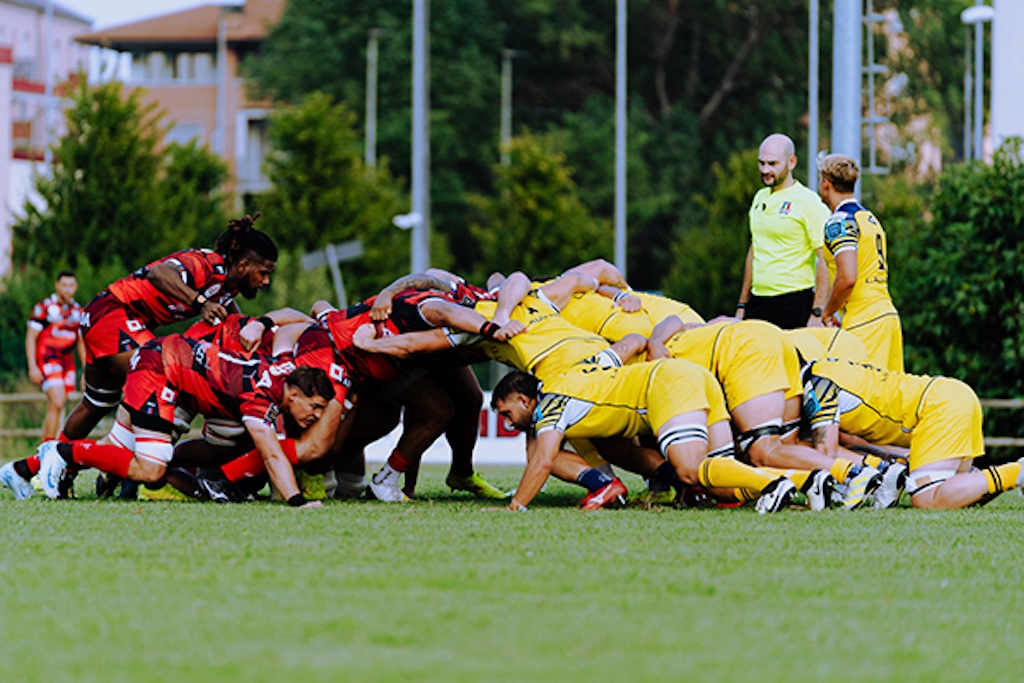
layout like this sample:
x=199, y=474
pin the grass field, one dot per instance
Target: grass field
x=440, y=590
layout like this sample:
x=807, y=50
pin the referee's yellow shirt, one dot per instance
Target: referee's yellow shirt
x=786, y=229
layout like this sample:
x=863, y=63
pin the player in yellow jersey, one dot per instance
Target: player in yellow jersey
x=816, y=343
x=856, y=255
x=626, y=312
x=679, y=402
x=760, y=373
x=938, y=418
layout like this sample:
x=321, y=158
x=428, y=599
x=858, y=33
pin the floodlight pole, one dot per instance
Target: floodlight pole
x=812, y=96
x=620, y=137
x=48, y=89
x=420, y=136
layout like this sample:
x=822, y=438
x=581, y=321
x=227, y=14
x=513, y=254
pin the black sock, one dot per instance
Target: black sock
x=65, y=450
x=21, y=467
x=666, y=473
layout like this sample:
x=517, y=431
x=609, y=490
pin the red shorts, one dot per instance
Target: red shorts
x=57, y=366
x=109, y=328
x=148, y=395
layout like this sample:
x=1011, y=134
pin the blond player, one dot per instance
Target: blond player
x=855, y=252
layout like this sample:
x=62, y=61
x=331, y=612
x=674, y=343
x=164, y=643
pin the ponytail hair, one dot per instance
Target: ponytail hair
x=241, y=239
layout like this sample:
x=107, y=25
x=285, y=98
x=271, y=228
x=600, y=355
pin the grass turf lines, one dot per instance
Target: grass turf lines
x=440, y=590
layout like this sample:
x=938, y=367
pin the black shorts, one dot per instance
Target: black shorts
x=788, y=311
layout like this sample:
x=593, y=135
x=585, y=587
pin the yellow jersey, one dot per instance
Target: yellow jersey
x=601, y=315
x=594, y=402
x=549, y=346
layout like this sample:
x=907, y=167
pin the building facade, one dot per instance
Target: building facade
x=24, y=55
x=188, y=64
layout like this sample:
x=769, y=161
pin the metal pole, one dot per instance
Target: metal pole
x=420, y=137
x=846, y=78
x=812, y=96
x=339, y=287
x=370, y=153
x=506, y=105
x=979, y=84
x=968, y=131
x=48, y=96
x=620, y=137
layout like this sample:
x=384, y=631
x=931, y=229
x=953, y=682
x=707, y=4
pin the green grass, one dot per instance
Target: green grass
x=440, y=590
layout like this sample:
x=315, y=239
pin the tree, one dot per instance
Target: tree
x=708, y=257
x=322, y=193
x=114, y=196
x=535, y=222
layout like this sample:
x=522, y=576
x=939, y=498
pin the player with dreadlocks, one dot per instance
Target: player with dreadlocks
x=124, y=316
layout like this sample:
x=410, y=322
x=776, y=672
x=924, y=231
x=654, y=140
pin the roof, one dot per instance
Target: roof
x=196, y=27
x=58, y=10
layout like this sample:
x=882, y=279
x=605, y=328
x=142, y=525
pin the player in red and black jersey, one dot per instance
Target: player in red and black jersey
x=180, y=286
x=178, y=371
x=50, y=343
x=125, y=315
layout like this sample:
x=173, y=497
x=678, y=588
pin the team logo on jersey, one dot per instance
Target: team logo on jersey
x=785, y=208
x=835, y=229
x=167, y=395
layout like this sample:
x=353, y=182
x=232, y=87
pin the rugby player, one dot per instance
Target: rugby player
x=176, y=370
x=678, y=401
x=857, y=259
x=938, y=418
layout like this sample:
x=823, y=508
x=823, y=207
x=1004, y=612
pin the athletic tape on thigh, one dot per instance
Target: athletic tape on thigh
x=156, y=449
x=746, y=440
x=923, y=480
x=102, y=398
x=122, y=435
x=682, y=434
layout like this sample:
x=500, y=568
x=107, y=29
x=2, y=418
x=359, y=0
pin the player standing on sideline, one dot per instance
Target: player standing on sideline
x=785, y=280
x=50, y=342
x=124, y=316
x=856, y=255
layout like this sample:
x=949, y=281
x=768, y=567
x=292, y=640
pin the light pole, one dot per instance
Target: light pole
x=620, y=137
x=812, y=96
x=507, y=56
x=48, y=87
x=420, y=136
x=976, y=16
x=370, y=153
x=846, y=77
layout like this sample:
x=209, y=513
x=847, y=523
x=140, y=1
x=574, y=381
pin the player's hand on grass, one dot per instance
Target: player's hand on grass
x=509, y=330
x=381, y=308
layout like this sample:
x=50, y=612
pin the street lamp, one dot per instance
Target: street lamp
x=976, y=16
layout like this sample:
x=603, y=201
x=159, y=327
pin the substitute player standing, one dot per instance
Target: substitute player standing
x=50, y=342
